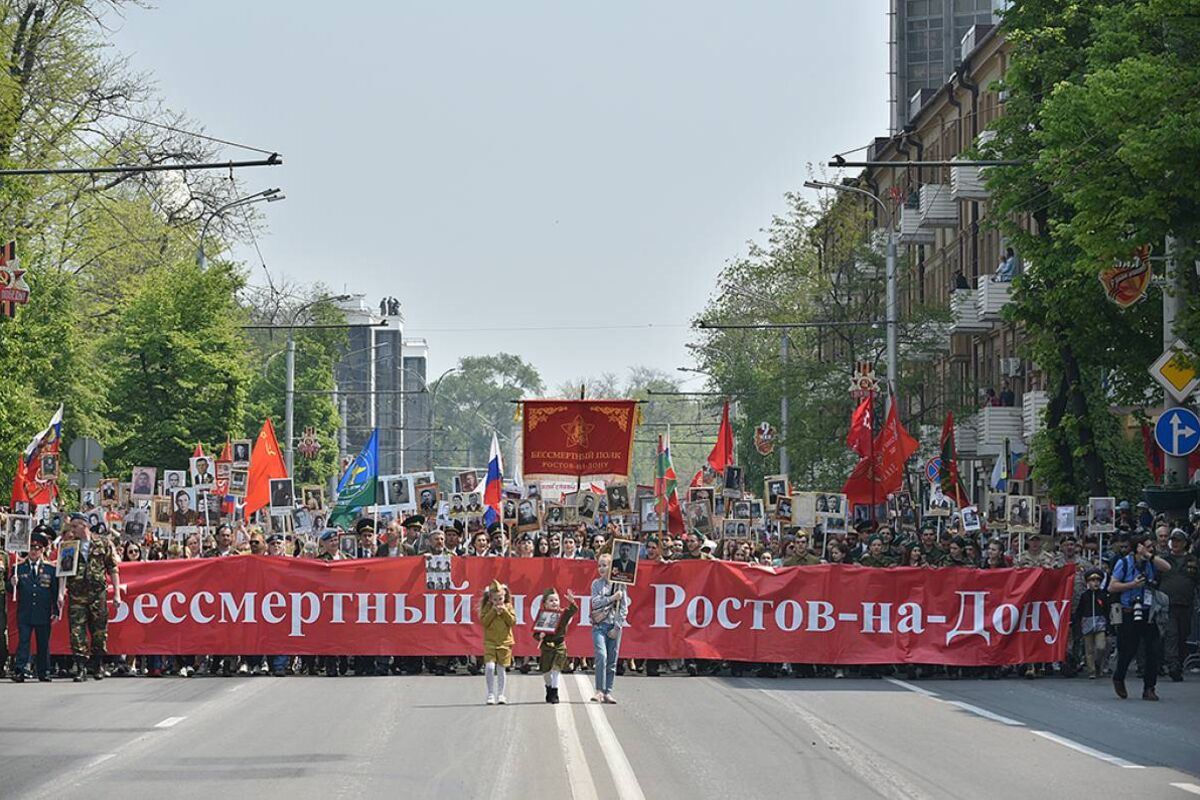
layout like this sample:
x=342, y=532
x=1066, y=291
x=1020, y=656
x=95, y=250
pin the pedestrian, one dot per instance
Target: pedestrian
x=498, y=617
x=552, y=652
x=1091, y=620
x=330, y=552
x=1133, y=579
x=4, y=571
x=1179, y=585
x=87, y=611
x=37, y=606
x=609, y=613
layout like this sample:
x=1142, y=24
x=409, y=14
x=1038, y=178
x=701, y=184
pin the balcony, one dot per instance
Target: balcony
x=990, y=298
x=964, y=308
x=1033, y=413
x=966, y=438
x=995, y=424
x=911, y=231
x=938, y=209
x=966, y=183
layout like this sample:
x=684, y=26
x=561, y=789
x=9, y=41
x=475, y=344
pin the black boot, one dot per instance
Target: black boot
x=80, y=675
x=549, y=694
x=554, y=696
x=97, y=666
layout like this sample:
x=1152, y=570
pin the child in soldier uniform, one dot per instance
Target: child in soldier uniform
x=498, y=617
x=553, y=654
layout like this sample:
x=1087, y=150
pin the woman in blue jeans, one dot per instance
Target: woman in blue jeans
x=610, y=611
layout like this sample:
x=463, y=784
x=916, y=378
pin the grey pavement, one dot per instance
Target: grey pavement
x=669, y=737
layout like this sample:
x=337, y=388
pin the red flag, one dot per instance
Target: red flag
x=1154, y=456
x=18, y=487
x=198, y=452
x=862, y=428
x=874, y=479
x=952, y=485
x=722, y=452
x=698, y=479
x=266, y=462
x=226, y=456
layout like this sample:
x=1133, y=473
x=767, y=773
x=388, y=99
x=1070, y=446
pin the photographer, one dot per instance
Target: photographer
x=1134, y=577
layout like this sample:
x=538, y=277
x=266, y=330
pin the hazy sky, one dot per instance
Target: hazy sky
x=543, y=178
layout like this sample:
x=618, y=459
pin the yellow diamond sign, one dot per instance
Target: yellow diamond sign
x=1175, y=371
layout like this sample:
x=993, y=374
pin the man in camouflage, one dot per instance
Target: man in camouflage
x=875, y=557
x=88, y=593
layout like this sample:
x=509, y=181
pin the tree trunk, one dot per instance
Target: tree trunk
x=1055, y=411
x=1093, y=464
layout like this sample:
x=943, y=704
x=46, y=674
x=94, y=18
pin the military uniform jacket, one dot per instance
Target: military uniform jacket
x=89, y=577
x=37, y=593
x=806, y=560
x=877, y=562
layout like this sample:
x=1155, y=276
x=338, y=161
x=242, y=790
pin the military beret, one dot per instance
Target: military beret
x=652, y=539
x=413, y=521
x=875, y=537
x=328, y=534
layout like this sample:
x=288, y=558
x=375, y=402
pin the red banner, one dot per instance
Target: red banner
x=830, y=614
x=578, y=437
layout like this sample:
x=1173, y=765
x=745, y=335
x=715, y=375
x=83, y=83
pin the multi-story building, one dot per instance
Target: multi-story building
x=951, y=251
x=925, y=35
x=381, y=384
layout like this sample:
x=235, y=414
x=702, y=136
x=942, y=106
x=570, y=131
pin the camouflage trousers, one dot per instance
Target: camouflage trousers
x=88, y=616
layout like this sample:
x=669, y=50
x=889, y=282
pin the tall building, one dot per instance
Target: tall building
x=381, y=384
x=926, y=37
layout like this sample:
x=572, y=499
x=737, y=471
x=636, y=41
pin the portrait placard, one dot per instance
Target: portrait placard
x=204, y=470
x=1102, y=514
x=283, y=496
x=970, y=518
x=17, y=531
x=738, y=529
x=1020, y=513
x=527, y=515
x=774, y=487
x=1064, y=519
x=238, y=479
x=804, y=509
x=142, y=486
x=68, y=559
x=241, y=453
x=547, y=621
x=618, y=498
x=314, y=497
x=624, y=562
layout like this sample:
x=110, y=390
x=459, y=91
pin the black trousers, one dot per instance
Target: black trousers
x=1129, y=636
x=24, y=633
x=1178, y=630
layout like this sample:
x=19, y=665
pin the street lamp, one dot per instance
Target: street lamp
x=266, y=195
x=290, y=402
x=892, y=365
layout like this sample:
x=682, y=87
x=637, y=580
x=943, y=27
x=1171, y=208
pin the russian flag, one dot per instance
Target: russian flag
x=493, y=484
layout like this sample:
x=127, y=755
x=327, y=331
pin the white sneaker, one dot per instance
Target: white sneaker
x=502, y=700
x=243, y=669
x=491, y=699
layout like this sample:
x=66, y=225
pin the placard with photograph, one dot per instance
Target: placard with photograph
x=1020, y=513
x=135, y=524
x=68, y=559
x=1102, y=514
x=533, y=490
x=741, y=509
x=736, y=529
x=203, y=469
x=183, y=507
x=427, y=498
x=554, y=514
x=774, y=487
x=17, y=531
x=735, y=483
x=142, y=486
x=804, y=509
x=238, y=480
x=467, y=481
x=587, y=506
x=110, y=493
x=831, y=512
x=396, y=490
x=161, y=508
x=508, y=511
x=173, y=479
x=527, y=515
x=706, y=494
x=437, y=572
x=618, y=498
x=283, y=496
x=1064, y=519
x=314, y=497
x=648, y=515
x=698, y=516
x=208, y=506
x=939, y=504
x=547, y=621
x=996, y=519
x=970, y=518
x=783, y=509
x=624, y=562
x=348, y=545
x=241, y=453
x=474, y=504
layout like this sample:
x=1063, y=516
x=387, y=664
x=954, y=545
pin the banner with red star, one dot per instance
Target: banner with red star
x=578, y=438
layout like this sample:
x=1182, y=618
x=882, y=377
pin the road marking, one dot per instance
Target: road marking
x=626, y=782
x=1089, y=751
x=579, y=774
x=911, y=687
x=983, y=712
x=98, y=760
x=1187, y=787
x=170, y=722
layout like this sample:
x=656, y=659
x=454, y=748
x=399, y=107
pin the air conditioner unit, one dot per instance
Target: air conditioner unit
x=1010, y=367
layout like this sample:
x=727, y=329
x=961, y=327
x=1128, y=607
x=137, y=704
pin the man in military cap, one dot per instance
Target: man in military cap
x=364, y=530
x=87, y=589
x=1035, y=555
x=37, y=606
x=801, y=556
x=1179, y=584
x=328, y=542
x=414, y=526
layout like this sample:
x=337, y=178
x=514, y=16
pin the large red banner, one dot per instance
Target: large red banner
x=578, y=437
x=830, y=614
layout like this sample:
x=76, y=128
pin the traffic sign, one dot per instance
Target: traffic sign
x=1178, y=431
x=85, y=453
x=933, y=469
x=1175, y=371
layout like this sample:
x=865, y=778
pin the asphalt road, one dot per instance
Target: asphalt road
x=668, y=737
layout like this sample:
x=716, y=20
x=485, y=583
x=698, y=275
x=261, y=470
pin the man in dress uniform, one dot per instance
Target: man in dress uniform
x=37, y=606
x=88, y=591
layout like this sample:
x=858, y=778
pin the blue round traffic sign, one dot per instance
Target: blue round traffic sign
x=1178, y=431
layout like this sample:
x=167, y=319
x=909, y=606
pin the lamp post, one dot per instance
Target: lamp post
x=290, y=390
x=892, y=359
x=265, y=196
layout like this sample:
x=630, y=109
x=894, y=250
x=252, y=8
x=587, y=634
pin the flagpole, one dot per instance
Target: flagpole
x=874, y=473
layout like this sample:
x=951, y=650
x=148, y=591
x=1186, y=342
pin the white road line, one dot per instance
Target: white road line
x=1187, y=787
x=579, y=774
x=626, y=782
x=910, y=687
x=98, y=760
x=1088, y=751
x=983, y=712
x=170, y=722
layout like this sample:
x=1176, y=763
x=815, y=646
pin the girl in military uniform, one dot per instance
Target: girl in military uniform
x=553, y=654
x=498, y=617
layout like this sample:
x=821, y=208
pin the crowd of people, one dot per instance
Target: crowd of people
x=1133, y=600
